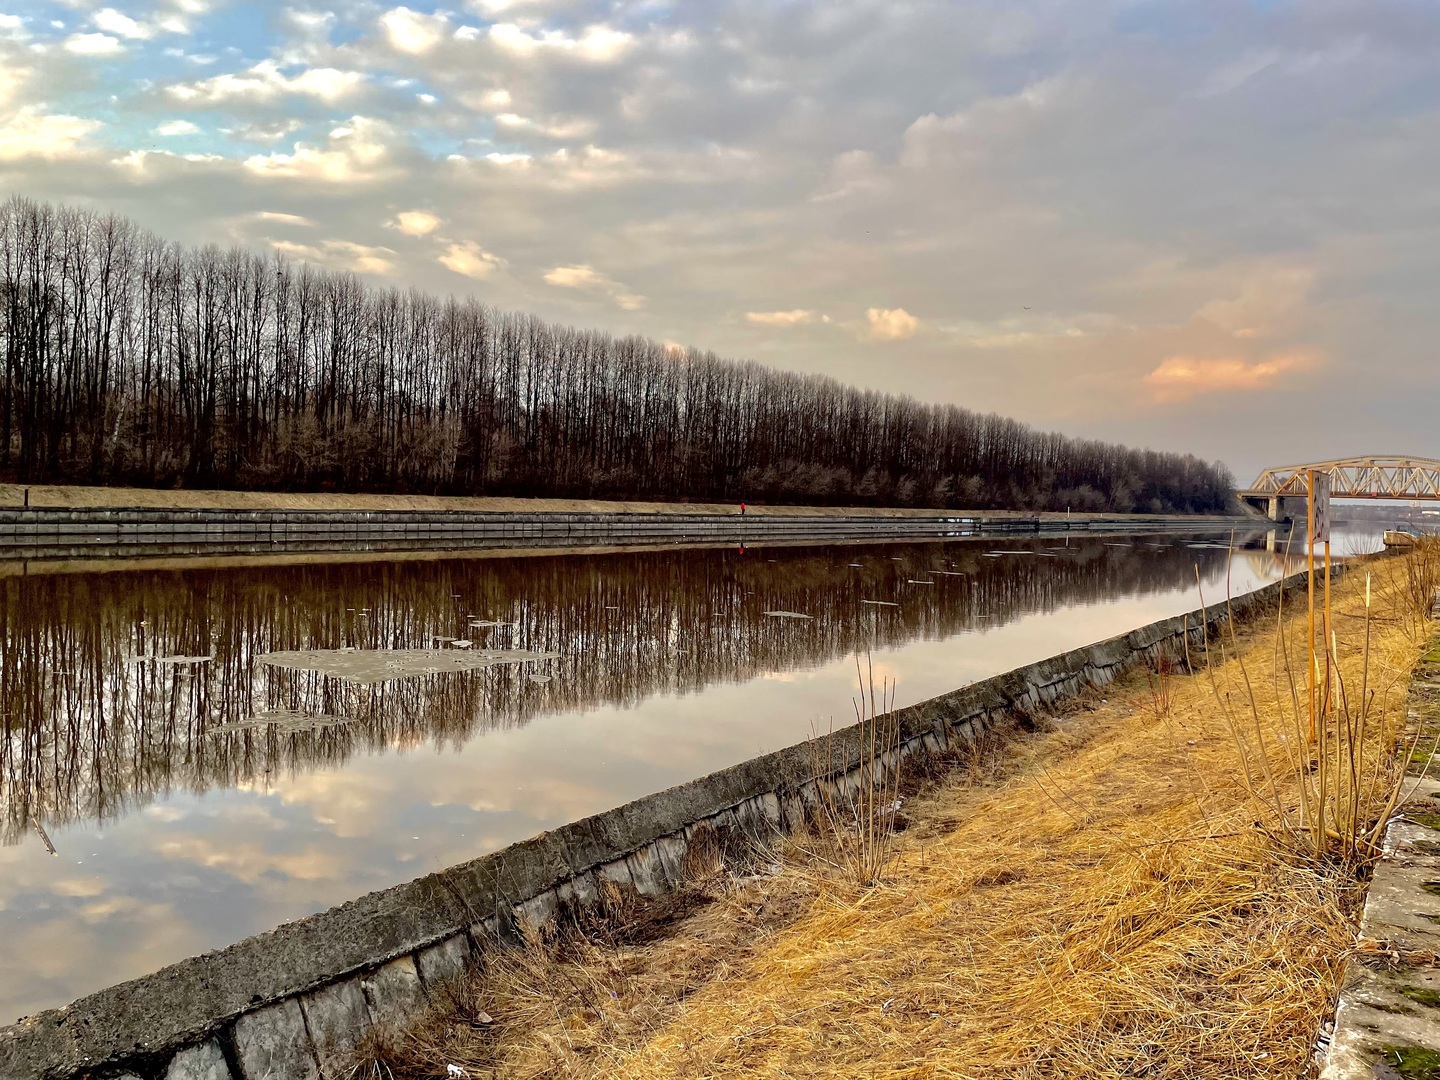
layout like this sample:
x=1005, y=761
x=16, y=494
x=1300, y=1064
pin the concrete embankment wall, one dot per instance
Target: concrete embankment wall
x=291, y=1003
x=80, y=497
x=50, y=532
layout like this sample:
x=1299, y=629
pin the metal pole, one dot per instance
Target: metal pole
x=1310, y=557
x=1328, y=659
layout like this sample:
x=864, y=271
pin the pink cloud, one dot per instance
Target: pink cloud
x=1179, y=378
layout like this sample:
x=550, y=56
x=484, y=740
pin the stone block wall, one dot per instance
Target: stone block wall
x=51, y=532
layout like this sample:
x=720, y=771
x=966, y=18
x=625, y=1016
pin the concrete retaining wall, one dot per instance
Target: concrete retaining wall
x=57, y=532
x=288, y=1004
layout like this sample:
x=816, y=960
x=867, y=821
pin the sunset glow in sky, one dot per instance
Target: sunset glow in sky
x=1204, y=225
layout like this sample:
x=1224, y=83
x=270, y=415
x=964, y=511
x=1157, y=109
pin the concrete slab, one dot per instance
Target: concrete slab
x=394, y=992
x=337, y=1017
x=444, y=962
x=273, y=1044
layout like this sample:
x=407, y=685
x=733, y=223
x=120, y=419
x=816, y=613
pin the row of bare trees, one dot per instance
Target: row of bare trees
x=128, y=359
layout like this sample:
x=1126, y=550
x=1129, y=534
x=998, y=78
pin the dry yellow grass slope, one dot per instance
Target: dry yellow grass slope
x=1119, y=908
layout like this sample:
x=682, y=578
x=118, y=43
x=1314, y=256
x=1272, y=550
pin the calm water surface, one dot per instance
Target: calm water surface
x=173, y=835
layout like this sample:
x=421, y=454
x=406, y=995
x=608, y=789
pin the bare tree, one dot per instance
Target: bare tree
x=130, y=360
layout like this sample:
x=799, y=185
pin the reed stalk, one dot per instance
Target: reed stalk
x=856, y=810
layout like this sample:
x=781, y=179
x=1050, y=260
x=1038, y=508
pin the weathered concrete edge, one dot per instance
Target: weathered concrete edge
x=321, y=978
x=78, y=497
x=1387, y=1021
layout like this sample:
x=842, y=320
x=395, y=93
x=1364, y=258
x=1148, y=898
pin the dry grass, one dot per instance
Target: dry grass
x=1111, y=898
x=854, y=823
x=565, y=1003
x=1420, y=574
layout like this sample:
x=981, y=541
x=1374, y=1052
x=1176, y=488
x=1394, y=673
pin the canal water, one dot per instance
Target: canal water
x=169, y=786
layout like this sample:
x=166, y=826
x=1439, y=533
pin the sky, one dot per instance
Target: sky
x=1199, y=225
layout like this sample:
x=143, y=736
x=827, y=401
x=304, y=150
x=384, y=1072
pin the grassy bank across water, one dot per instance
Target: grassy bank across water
x=76, y=497
x=1129, y=888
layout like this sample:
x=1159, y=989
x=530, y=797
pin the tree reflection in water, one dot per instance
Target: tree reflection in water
x=92, y=732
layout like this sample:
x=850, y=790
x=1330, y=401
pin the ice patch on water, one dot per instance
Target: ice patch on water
x=282, y=720
x=366, y=667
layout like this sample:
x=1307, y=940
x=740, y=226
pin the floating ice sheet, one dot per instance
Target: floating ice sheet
x=366, y=667
x=282, y=720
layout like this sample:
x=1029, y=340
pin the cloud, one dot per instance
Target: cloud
x=1268, y=301
x=412, y=31
x=266, y=82
x=356, y=151
x=1180, y=378
x=575, y=277
x=12, y=78
x=471, y=260
x=176, y=127
x=31, y=133
x=414, y=222
x=283, y=219
x=797, y=317
x=139, y=162
x=573, y=128
x=587, y=278
x=93, y=45
x=488, y=100
x=339, y=255
x=114, y=22
x=249, y=861
x=890, y=324
x=597, y=43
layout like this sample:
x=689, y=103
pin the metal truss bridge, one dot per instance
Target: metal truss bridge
x=1350, y=478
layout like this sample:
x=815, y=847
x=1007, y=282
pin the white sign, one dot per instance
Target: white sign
x=1319, y=507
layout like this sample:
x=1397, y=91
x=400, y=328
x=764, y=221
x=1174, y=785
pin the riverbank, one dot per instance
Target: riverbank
x=79, y=498
x=346, y=524
x=1103, y=896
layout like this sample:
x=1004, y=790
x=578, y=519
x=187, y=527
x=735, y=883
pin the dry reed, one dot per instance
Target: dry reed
x=855, y=815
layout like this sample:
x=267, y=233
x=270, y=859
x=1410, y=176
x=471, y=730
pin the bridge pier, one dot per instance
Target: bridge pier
x=1288, y=509
x=1279, y=508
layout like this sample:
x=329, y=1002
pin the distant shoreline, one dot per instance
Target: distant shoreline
x=59, y=496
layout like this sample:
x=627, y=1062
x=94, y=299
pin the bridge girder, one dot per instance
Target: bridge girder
x=1354, y=478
